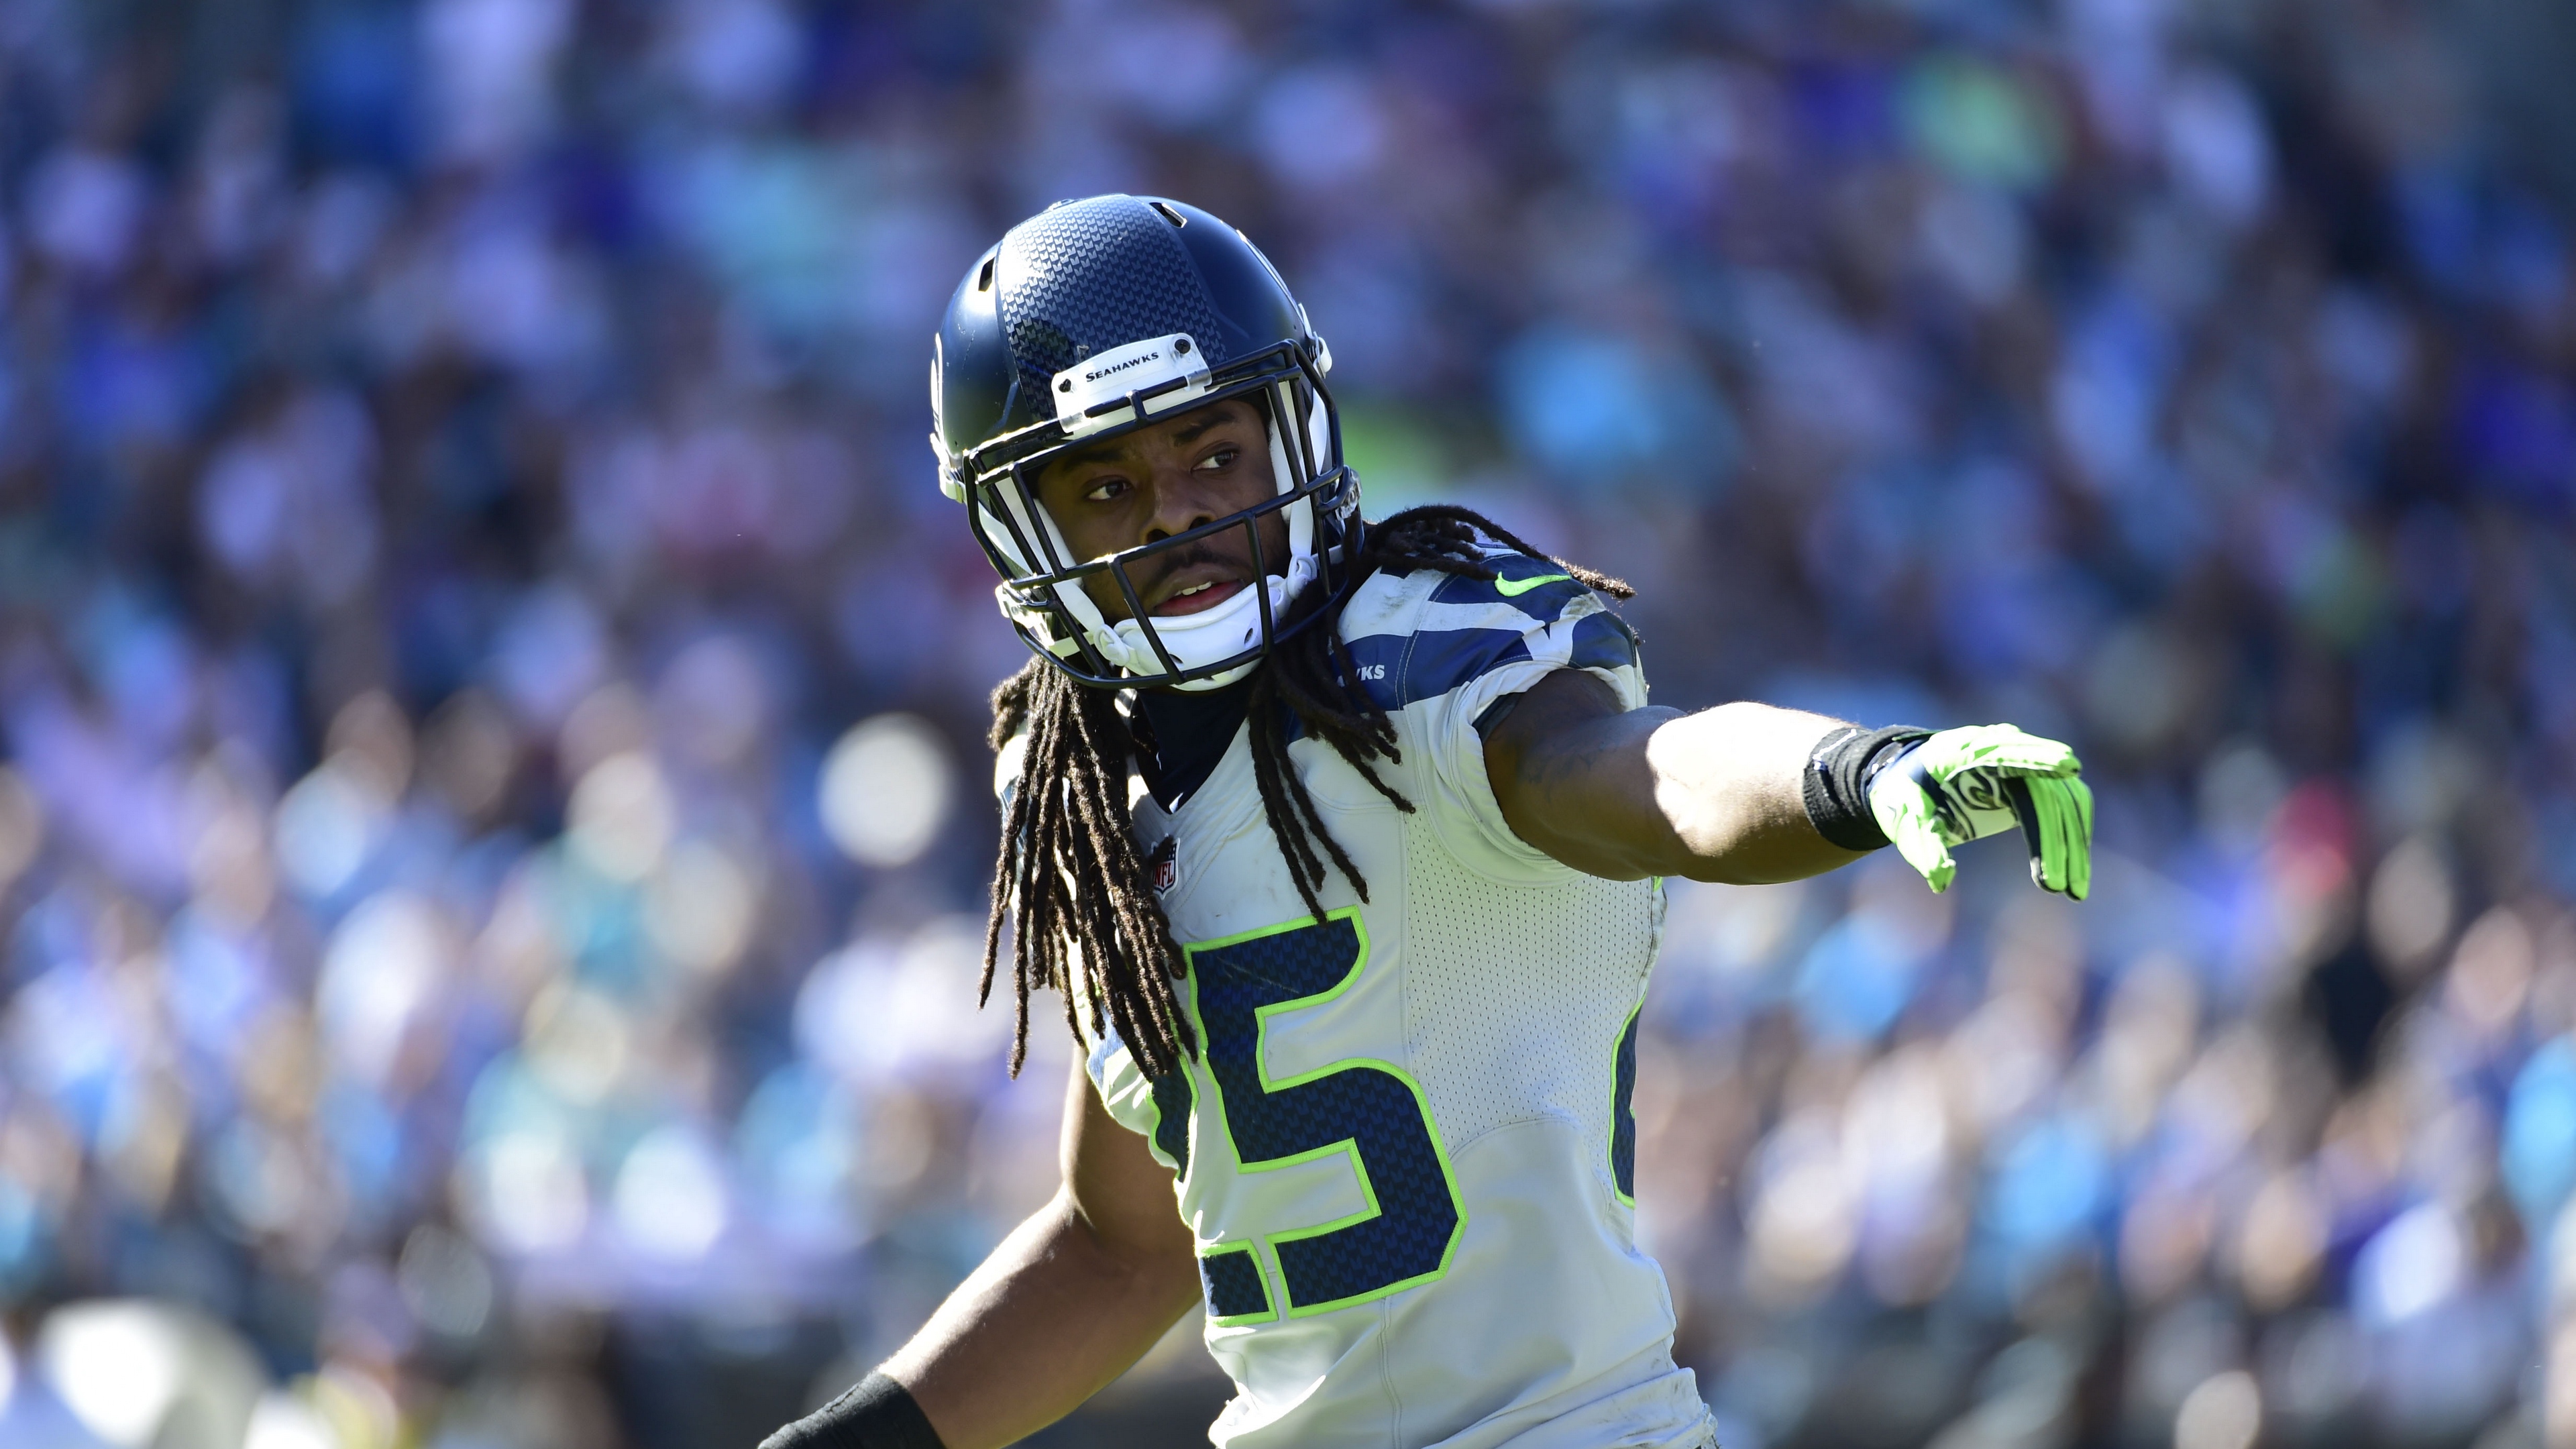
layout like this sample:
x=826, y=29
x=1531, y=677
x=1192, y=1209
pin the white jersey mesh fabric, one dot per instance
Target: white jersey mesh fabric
x=1507, y=980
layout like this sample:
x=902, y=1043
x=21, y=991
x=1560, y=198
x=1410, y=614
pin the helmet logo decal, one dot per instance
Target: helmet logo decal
x=1092, y=394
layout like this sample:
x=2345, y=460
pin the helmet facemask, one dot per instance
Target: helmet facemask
x=1043, y=593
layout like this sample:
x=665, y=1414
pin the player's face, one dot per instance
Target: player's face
x=1158, y=481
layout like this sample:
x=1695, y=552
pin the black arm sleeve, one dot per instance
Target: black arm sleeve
x=877, y=1413
x=1836, y=783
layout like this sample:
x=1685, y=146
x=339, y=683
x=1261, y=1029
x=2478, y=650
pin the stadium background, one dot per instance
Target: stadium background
x=493, y=825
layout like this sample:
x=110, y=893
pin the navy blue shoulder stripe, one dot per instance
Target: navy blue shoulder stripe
x=1402, y=669
x=1603, y=641
x=1515, y=586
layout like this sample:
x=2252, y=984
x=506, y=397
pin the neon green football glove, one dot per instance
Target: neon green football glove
x=1966, y=784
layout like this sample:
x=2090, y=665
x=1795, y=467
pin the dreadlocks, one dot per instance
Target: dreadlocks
x=1070, y=882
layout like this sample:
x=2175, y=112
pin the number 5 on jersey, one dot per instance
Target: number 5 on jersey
x=1371, y=1113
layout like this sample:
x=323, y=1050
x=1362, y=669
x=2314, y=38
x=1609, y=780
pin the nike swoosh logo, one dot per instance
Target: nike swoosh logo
x=1513, y=588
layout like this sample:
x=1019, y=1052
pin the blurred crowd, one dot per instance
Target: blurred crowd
x=492, y=840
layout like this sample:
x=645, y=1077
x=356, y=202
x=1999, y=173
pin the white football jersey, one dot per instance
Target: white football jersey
x=1405, y=1143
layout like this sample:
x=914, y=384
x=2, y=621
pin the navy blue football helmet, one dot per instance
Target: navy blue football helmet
x=1098, y=317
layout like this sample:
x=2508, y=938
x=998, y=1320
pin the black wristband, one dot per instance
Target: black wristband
x=876, y=1413
x=1835, y=785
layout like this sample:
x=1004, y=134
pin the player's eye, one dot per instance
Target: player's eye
x=1221, y=458
x=1104, y=490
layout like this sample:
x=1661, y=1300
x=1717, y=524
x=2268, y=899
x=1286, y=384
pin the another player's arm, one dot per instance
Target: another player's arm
x=1070, y=1299
x=1724, y=794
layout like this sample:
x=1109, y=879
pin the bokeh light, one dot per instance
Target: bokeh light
x=621, y=816
x=886, y=787
x=444, y=1281
x=2226, y=1412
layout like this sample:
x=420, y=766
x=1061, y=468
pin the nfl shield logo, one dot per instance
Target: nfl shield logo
x=1166, y=861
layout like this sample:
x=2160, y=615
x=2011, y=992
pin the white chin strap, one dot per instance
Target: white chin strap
x=1209, y=635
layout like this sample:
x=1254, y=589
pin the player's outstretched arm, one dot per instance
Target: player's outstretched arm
x=1750, y=794
x=1070, y=1299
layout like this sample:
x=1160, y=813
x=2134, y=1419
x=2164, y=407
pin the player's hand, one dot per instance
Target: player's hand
x=1966, y=784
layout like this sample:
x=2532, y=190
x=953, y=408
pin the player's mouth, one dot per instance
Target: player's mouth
x=1198, y=596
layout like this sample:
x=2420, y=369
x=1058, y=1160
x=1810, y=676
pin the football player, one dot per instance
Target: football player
x=1342, y=842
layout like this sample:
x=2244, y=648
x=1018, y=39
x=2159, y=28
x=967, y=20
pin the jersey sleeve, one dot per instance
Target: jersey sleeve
x=1468, y=645
x=1008, y=761
x=1155, y=1108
